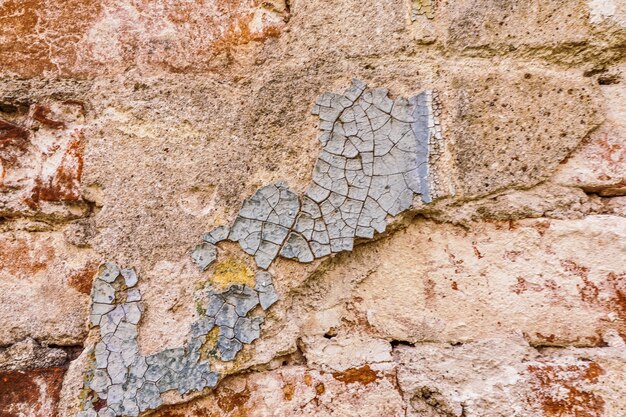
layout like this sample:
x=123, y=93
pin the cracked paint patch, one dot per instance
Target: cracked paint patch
x=374, y=161
x=123, y=382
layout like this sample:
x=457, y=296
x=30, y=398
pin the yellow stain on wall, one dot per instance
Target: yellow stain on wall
x=232, y=271
x=424, y=7
x=207, y=350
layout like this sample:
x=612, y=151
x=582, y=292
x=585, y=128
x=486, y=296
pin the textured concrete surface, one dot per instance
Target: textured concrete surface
x=128, y=130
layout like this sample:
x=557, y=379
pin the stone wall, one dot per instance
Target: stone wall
x=482, y=271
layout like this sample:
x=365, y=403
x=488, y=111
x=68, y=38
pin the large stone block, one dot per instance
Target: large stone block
x=28, y=354
x=557, y=282
x=44, y=288
x=513, y=129
x=484, y=26
x=587, y=33
x=505, y=377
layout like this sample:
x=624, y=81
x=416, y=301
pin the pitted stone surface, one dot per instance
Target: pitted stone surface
x=373, y=162
x=130, y=383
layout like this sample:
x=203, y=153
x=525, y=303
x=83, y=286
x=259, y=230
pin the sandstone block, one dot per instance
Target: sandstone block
x=599, y=165
x=298, y=391
x=557, y=282
x=44, y=288
x=93, y=38
x=497, y=125
x=505, y=377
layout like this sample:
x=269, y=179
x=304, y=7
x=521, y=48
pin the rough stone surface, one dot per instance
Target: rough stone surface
x=509, y=377
x=41, y=159
x=392, y=207
x=515, y=148
x=91, y=38
x=44, y=287
x=301, y=391
x=556, y=282
x=598, y=166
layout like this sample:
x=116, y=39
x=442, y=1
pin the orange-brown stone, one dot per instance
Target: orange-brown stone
x=560, y=390
x=89, y=38
x=32, y=393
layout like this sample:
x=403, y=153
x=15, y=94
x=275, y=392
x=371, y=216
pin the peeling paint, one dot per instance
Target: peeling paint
x=374, y=160
x=123, y=382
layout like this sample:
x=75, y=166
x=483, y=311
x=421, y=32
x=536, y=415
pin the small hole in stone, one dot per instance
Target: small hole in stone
x=396, y=343
x=609, y=80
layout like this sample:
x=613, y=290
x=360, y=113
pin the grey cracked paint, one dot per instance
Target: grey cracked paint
x=130, y=383
x=373, y=163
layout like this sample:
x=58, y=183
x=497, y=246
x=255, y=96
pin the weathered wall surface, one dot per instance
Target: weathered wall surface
x=130, y=128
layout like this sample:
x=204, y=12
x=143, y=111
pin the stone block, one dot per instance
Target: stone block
x=93, y=38
x=44, y=288
x=513, y=129
x=557, y=282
